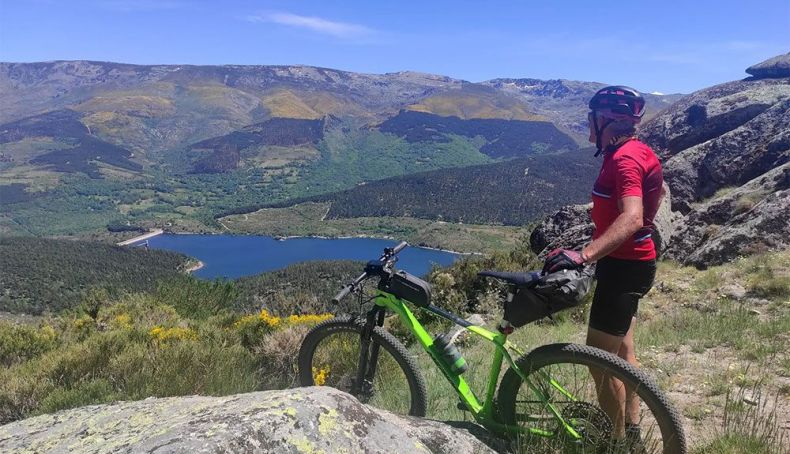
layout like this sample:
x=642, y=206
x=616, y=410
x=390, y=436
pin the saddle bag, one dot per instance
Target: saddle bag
x=552, y=293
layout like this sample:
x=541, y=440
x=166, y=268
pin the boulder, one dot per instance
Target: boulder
x=732, y=158
x=749, y=219
x=778, y=66
x=709, y=113
x=571, y=228
x=318, y=419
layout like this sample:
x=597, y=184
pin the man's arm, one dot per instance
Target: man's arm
x=627, y=223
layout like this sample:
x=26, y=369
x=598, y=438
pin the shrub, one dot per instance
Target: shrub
x=20, y=343
x=278, y=352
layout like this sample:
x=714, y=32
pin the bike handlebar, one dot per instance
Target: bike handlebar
x=387, y=256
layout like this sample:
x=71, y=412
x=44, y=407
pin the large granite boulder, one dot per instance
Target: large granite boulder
x=778, y=66
x=721, y=137
x=318, y=419
x=746, y=220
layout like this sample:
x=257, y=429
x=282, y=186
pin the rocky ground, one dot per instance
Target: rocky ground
x=289, y=421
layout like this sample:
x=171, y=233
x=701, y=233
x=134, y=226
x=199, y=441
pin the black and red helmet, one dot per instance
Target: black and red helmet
x=618, y=103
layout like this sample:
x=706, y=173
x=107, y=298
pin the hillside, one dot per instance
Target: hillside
x=725, y=152
x=564, y=102
x=96, y=144
x=503, y=138
x=731, y=390
x=45, y=275
x=514, y=192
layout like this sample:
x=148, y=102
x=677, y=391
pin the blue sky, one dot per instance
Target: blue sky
x=667, y=46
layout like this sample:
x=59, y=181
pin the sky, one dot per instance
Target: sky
x=665, y=46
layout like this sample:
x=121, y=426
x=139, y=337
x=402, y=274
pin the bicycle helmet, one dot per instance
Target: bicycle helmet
x=615, y=103
x=618, y=103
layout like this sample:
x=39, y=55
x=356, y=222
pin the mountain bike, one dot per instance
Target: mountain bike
x=547, y=398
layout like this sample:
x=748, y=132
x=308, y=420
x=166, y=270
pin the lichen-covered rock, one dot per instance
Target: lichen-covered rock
x=315, y=420
x=778, y=66
x=568, y=228
x=733, y=158
x=749, y=219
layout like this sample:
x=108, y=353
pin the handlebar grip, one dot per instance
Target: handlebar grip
x=347, y=289
x=343, y=293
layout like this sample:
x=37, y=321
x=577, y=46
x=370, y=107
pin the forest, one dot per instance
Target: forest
x=49, y=275
x=514, y=192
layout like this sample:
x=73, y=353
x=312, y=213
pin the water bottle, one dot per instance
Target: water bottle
x=450, y=354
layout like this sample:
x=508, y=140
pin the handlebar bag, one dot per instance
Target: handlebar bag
x=409, y=287
x=554, y=292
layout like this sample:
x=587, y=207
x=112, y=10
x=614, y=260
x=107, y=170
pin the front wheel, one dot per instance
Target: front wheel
x=382, y=375
x=577, y=382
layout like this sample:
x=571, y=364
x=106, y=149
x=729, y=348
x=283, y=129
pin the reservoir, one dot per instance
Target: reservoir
x=233, y=256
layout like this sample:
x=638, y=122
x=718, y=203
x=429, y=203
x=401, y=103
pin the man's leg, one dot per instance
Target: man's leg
x=611, y=392
x=627, y=351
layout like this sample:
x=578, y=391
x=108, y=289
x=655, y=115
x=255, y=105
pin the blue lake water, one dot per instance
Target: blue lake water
x=232, y=256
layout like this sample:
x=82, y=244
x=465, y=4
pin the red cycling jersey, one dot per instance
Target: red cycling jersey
x=631, y=170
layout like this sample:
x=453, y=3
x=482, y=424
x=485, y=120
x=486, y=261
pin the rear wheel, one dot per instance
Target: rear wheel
x=331, y=355
x=563, y=374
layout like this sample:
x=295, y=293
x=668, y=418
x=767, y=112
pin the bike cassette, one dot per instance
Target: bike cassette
x=590, y=421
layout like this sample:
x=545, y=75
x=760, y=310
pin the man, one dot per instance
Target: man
x=626, y=196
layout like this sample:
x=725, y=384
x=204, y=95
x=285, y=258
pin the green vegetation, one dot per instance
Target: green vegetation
x=139, y=346
x=187, y=336
x=50, y=275
x=301, y=288
x=308, y=219
x=514, y=192
x=504, y=138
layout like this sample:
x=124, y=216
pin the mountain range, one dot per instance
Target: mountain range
x=97, y=143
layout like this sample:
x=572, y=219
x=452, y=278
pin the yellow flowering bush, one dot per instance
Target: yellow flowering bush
x=320, y=375
x=121, y=321
x=83, y=325
x=253, y=327
x=20, y=342
x=307, y=319
x=162, y=334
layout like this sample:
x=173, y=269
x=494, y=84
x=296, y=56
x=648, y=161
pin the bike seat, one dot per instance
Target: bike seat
x=516, y=278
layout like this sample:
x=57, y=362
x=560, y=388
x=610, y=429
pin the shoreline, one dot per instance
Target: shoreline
x=324, y=237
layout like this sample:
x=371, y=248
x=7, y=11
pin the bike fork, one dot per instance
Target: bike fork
x=368, y=356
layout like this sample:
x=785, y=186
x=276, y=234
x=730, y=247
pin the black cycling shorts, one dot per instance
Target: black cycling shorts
x=621, y=283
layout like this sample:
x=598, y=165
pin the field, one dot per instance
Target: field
x=308, y=219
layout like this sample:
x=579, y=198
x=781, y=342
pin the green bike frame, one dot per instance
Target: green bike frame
x=483, y=412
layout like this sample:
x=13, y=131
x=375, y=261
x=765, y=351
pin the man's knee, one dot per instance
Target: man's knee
x=604, y=341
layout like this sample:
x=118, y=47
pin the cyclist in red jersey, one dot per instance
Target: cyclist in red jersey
x=625, y=196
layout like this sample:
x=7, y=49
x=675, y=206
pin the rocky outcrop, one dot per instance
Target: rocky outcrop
x=568, y=228
x=746, y=220
x=722, y=137
x=778, y=66
x=571, y=228
x=726, y=157
x=296, y=420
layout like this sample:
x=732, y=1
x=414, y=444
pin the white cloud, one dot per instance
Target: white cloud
x=316, y=24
